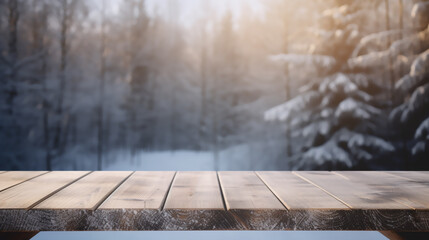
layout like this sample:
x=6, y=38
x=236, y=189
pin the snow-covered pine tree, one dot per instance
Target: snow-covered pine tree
x=334, y=117
x=407, y=51
x=411, y=117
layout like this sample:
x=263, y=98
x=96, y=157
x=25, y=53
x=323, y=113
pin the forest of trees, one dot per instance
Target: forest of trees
x=320, y=84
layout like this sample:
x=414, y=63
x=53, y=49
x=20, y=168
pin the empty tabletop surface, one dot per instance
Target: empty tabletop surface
x=209, y=200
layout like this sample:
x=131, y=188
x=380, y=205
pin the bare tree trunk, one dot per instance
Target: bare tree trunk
x=173, y=15
x=63, y=65
x=101, y=90
x=287, y=86
x=173, y=118
x=13, y=52
x=390, y=66
x=202, y=128
x=401, y=27
x=45, y=107
x=215, y=125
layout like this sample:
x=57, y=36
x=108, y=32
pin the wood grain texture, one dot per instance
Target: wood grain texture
x=418, y=176
x=195, y=190
x=194, y=202
x=143, y=190
x=244, y=190
x=30, y=192
x=250, y=201
x=86, y=193
x=296, y=193
x=403, y=190
x=362, y=194
x=9, y=179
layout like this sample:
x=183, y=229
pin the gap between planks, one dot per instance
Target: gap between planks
x=332, y=195
x=272, y=191
x=164, y=200
x=97, y=205
x=57, y=190
x=222, y=194
x=24, y=180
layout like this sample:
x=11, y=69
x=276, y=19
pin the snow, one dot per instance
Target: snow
x=284, y=111
x=238, y=157
x=351, y=108
x=164, y=161
x=326, y=153
x=419, y=14
x=377, y=41
x=422, y=131
x=304, y=59
x=340, y=84
x=421, y=64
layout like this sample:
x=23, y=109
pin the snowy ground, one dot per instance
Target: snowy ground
x=240, y=157
x=163, y=161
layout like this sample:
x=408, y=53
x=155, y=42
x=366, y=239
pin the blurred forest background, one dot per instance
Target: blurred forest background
x=278, y=84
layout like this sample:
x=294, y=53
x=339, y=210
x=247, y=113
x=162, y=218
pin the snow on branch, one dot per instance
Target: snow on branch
x=377, y=41
x=345, y=147
x=284, y=111
x=422, y=136
x=304, y=60
x=418, y=74
x=422, y=131
x=414, y=44
x=350, y=108
x=419, y=14
x=418, y=102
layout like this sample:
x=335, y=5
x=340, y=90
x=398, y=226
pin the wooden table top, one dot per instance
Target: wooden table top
x=125, y=200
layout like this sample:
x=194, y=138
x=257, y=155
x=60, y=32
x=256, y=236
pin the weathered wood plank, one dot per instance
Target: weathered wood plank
x=408, y=192
x=9, y=179
x=244, y=190
x=195, y=190
x=79, y=201
x=418, y=176
x=86, y=193
x=362, y=194
x=296, y=193
x=250, y=201
x=195, y=202
x=32, y=191
x=143, y=190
